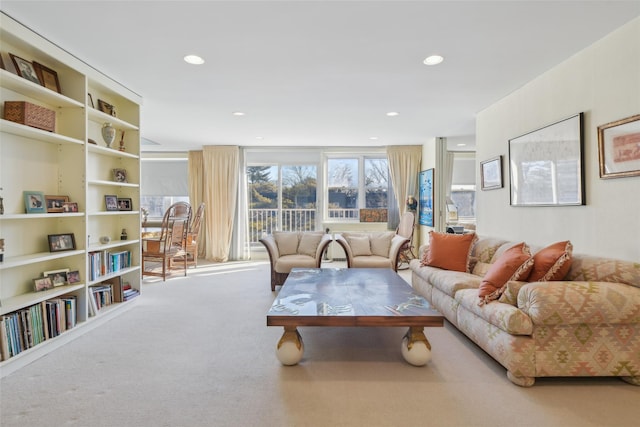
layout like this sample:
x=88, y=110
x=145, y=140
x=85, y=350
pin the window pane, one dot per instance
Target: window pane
x=299, y=197
x=376, y=177
x=343, y=188
x=262, y=182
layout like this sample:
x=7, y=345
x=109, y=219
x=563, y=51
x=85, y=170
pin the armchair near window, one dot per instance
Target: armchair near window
x=372, y=250
x=170, y=244
x=294, y=249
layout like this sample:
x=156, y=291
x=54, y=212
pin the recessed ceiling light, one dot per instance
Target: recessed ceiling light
x=238, y=113
x=259, y=137
x=433, y=60
x=373, y=138
x=461, y=145
x=194, y=60
x=392, y=113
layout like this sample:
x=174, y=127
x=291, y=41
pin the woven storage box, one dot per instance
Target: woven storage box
x=30, y=114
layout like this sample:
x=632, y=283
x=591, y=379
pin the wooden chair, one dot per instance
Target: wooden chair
x=192, y=238
x=405, y=229
x=170, y=244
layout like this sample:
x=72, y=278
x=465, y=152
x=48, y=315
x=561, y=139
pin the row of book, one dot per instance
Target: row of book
x=30, y=326
x=102, y=263
x=109, y=291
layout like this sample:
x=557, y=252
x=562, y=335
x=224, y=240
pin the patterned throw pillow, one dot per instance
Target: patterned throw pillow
x=449, y=251
x=514, y=264
x=510, y=293
x=552, y=262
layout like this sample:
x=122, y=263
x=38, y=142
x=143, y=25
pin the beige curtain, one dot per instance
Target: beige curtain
x=404, y=166
x=196, y=195
x=220, y=192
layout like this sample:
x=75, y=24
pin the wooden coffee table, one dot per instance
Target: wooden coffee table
x=351, y=297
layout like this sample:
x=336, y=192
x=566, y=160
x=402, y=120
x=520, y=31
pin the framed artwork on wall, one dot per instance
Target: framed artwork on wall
x=491, y=173
x=619, y=148
x=426, y=197
x=546, y=166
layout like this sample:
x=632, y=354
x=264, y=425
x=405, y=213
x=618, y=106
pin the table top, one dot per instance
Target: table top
x=349, y=297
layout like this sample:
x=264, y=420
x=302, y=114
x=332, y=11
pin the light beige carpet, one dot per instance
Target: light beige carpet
x=196, y=351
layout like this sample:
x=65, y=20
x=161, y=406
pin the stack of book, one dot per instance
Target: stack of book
x=26, y=328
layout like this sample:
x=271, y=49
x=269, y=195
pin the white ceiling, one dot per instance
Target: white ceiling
x=321, y=73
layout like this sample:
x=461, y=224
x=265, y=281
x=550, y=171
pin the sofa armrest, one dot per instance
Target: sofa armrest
x=322, y=246
x=396, y=244
x=269, y=242
x=571, y=302
x=347, y=248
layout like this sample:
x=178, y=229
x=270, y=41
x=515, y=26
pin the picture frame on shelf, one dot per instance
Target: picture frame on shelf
x=73, y=277
x=125, y=204
x=111, y=202
x=25, y=69
x=106, y=108
x=55, y=204
x=491, y=173
x=48, y=77
x=619, y=148
x=62, y=242
x=70, y=207
x=120, y=175
x=42, y=283
x=34, y=202
x=58, y=277
x=546, y=165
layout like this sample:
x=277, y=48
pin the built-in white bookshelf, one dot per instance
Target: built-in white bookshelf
x=64, y=163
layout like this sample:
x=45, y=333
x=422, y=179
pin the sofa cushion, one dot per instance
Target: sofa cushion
x=381, y=243
x=552, y=262
x=285, y=263
x=359, y=244
x=514, y=263
x=510, y=292
x=598, y=269
x=504, y=316
x=481, y=268
x=309, y=241
x=485, y=248
x=449, y=251
x=287, y=242
x=371, y=261
x=448, y=282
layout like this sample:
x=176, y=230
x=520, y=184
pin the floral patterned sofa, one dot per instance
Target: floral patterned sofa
x=586, y=322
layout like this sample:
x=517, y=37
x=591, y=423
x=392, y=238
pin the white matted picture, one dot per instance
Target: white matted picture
x=619, y=148
x=111, y=202
x=58, y=277
x=491, y=173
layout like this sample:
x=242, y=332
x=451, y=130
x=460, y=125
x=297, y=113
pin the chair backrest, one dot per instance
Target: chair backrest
x=406, y=225
x=194, y=228
x=175, y=225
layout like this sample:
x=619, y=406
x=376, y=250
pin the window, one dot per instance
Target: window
x=163, y=182
x=354, y=183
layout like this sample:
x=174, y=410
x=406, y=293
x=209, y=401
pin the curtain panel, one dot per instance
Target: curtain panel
x=196, y=194
x=404, y=166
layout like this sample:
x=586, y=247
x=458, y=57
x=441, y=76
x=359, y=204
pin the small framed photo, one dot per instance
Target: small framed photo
x=58, y=277
x=55, y=203
x=491, y=173
x=120, y=175
x=619, y=148
x=124, y=204
x=62, y=242
x=42, y=283
x=25, y=69
x=73, y=277
x=34, y=202
x=111, y=202
x=70, y=207
x=106, y=108
x=47, y=76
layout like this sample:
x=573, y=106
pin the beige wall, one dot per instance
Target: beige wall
x=603, y=81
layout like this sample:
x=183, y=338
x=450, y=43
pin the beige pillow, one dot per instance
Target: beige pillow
x=309, y=242
x=510, y=293
x=287, y=242
x=359, y=244
x=381, y=243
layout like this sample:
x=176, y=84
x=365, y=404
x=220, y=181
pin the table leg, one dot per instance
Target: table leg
x=416, y=349
x=290, y=347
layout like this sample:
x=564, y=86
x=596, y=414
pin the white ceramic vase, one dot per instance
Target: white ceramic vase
x=108, y=134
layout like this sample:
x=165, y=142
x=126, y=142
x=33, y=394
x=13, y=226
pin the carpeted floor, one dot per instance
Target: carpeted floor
x=196, y=351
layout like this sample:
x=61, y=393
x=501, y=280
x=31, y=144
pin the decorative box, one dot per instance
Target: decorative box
x=30, y=114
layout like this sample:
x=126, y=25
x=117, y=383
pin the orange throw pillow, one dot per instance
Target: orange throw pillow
x=552, y=262
x=514, y=264
x=449, y=251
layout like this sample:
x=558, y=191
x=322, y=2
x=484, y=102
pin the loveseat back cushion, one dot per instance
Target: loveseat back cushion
x=552, y=262
x=515, y=263
x=381, y=243
x=309, y=241
x=359, y=243
x=287, y=242
x=449, y=251
x=598, y=269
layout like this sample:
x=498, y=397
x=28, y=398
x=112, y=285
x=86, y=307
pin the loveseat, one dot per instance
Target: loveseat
x=585, y=321
x=372, y=250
